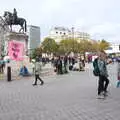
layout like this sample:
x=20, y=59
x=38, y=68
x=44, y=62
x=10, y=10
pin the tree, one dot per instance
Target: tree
x=89, y=46
x=68, y=45
x=103, y=45
x=85, y=46
x=36, y=52
x=49, y=46
x=94, y=46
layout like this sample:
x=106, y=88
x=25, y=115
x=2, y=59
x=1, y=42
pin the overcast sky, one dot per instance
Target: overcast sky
x=100, y=18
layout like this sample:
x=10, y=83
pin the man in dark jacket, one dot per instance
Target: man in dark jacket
x=59, y=66
x=65, y=64
x=103, y=77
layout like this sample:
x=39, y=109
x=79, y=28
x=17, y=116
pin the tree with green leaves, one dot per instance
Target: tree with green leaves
x=94, y=46
x=68, y=45
x=89, y=46
x=103, y=45
x=49, y=46
x=36, y=52
x=85, y=46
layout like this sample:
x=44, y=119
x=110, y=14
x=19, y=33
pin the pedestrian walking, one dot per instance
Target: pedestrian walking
x=37, y=72
x=118, y=74
x=103, y=75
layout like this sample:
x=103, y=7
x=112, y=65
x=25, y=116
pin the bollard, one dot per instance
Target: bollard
x=8, y=73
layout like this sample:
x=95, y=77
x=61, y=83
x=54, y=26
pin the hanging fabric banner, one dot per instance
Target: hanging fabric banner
x=16, y=50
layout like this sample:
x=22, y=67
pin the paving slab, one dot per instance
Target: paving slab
x=71, y=96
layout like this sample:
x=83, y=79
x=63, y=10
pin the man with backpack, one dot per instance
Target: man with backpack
x=100, y=70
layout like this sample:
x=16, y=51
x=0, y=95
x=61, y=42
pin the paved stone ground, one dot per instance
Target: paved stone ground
x=63, y=97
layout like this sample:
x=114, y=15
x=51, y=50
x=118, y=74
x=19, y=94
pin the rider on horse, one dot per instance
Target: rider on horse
x=14, y=15
x=13, y=19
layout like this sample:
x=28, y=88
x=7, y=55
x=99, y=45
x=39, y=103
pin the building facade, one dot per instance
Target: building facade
x=82, y=36
x=114, y=48
x=61, y=33
x=34, y=38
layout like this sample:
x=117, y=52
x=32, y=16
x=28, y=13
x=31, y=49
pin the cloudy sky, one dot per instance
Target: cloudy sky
x=100, y=18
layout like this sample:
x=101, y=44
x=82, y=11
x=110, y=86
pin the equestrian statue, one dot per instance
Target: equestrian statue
x=13, y=19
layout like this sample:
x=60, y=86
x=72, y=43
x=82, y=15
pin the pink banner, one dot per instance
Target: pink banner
x=16, y=50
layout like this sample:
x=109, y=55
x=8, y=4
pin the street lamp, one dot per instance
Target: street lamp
x=73, y=37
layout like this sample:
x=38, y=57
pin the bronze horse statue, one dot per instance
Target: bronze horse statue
x=9, y=20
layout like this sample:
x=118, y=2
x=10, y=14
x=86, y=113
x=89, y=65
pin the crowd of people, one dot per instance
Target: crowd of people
x=64, y=64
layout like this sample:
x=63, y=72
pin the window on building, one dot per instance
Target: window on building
x=110, y=48
x=56, y=32
x=60, y=32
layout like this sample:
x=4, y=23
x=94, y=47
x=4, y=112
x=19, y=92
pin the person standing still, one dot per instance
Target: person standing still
x=59, y=65
x=103, y=77
x=37, y=72
x=65, y=64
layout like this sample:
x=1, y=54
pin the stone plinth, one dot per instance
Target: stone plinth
x=21, y=37
x=16, y=65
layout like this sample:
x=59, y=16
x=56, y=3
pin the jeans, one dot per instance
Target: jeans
x=102, y=84
x=36, y=78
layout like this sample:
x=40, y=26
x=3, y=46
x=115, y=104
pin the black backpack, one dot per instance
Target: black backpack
x=96, y=70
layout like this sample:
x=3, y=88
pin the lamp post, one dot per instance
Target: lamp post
x=73, y=37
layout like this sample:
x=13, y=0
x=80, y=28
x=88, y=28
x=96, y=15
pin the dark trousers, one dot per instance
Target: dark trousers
x=65, y=68
x=36, y=78
x=1, y=69
x=59, y=69
x=102, y=84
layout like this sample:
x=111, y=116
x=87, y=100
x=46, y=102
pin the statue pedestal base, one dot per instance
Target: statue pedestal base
x=16, y=65
x=21, y=37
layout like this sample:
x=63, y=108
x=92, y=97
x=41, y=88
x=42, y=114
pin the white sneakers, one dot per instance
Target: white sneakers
x=101, y=96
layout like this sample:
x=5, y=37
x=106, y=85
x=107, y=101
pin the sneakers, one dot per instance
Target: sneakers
x=101, y=96
x=42, y=83
x=105, y=93
x=34, y=84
